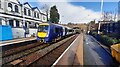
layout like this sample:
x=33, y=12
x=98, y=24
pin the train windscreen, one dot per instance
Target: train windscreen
x=43, y=28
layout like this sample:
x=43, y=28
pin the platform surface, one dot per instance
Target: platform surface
x=85, y=50
x=94, y=54
x=73, y=55
x=3, y=43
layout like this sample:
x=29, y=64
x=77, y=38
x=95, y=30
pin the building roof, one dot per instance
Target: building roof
x=28, y=4
x=15, y=1
x=36, y=8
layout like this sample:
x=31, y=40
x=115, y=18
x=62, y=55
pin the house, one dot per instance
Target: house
x=17, y=15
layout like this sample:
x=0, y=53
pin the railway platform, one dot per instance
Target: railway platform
x=97, y=53
x=76, y=50
x=86, y=50
x=73, y=55
x=14, y=41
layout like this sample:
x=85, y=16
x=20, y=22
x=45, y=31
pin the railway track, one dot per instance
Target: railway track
x=19, y=49
x=20, y=54
x=24, y=55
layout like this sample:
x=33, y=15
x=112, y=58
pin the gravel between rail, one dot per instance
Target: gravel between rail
x=48, y=55
x=19, y=49
x=33, y=56
x=10, y=58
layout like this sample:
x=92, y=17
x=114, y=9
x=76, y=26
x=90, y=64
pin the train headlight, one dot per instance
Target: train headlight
x=47, y=35
x=42, y=34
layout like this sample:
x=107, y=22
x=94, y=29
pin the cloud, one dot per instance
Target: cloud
x=74, y=0
x=69, y=12
x=93, y=0
x=74, y=14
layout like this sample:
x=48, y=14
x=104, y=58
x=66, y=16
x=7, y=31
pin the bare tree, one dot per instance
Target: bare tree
x=46, y=9
x=108, y=16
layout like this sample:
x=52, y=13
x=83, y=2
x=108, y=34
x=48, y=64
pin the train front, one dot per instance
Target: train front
x=42, y=33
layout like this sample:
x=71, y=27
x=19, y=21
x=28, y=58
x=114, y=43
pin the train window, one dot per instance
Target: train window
x=43, y=28
x=57, y=30
x=70, y=30
x=63, y=29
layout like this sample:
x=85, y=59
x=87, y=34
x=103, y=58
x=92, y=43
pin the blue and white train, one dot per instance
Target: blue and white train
x=48, y=32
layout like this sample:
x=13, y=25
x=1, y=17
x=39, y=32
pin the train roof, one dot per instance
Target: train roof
x=55, y=24
x=44, y=24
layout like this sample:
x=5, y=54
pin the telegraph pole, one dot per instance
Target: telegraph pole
x=100, y=16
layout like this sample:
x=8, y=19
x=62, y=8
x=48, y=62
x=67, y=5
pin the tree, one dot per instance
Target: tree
x=118, y=20
x=54, y=15
x=46, y=9
x=92, y=22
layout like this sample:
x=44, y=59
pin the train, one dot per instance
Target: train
x=48, y=32
x=77, y=30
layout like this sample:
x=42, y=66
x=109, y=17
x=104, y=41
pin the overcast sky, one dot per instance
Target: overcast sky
x=76, y=11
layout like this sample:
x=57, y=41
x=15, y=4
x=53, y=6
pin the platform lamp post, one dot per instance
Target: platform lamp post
x=61, y=21
x=100, y=17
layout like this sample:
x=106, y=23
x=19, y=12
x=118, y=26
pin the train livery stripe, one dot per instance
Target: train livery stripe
x=44, y=24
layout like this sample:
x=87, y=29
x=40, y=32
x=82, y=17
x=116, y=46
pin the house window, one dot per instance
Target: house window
x=37, y=15
x=29, y=22
x=36, y=25
x=34, y=14
x=17, y=23
x=31, y=25
x=0, y=4
x=10, y=5
x=29, y=13
x=16, y=9
x=43, y=17
x=11, y=23
x=25, y=11
x=26, y=24
x=0, y=21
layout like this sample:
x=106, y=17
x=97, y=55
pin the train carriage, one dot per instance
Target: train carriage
x=47, y=32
